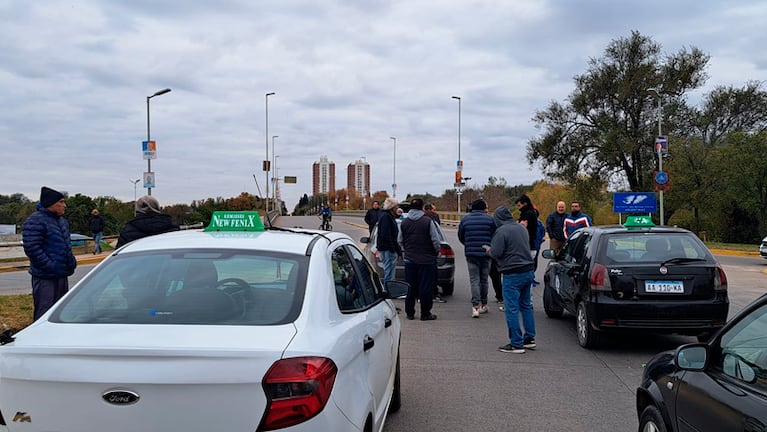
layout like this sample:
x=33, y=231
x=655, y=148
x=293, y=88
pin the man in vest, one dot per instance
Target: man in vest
x=419, y=241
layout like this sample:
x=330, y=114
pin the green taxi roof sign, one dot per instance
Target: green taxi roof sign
x=235, y=221
x=638, y=222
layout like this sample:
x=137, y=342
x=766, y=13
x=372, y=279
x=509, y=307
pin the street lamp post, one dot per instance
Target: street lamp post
x=135, y=182
x=277, y=201
x=394, y=169
x=266, y=159
x=660, y=150
x=149, y=160
x=274, y=175
x=459, y=164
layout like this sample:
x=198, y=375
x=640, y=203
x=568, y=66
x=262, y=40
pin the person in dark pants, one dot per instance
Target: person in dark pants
x=47, y=243
x=555, y=226
x=372, y=216
x=430, y=210
x=419, y=241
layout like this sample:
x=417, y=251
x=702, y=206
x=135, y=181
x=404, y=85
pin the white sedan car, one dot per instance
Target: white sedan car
x=234, y=328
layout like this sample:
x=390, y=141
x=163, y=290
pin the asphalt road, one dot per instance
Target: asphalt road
x=455, y=379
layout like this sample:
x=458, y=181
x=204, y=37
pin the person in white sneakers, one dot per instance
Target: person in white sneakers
x=475, y=232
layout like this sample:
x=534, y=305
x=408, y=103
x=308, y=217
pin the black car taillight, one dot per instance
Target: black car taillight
x=720, y=279
x=297, y=389
x=446, y=251
x=599, y=280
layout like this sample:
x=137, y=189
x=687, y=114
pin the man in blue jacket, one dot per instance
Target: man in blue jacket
x=45, y=235
x=475, y=232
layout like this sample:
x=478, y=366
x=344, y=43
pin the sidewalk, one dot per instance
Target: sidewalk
x=24, y=264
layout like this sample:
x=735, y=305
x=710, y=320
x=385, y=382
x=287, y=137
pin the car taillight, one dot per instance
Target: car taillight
x=297, y=389
x=599, y=280
x=446, y=251
x=720, y=279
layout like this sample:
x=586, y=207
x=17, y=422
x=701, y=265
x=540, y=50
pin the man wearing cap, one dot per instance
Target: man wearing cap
x=386, y=242
x=419, y=240
x=475, y=233
x=45, y=235
x=148, y=221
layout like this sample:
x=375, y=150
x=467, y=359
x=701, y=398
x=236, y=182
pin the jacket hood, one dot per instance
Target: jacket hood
x=415, y=214
x=502, y=215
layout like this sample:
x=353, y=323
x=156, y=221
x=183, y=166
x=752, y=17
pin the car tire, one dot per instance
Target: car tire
x=587, y=336
x=651, y=420
x=447, y=289
x=548, y=304
x=396, y=396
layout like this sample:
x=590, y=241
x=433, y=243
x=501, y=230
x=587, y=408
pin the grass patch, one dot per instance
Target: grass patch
x=16, y=311
x=750, y=248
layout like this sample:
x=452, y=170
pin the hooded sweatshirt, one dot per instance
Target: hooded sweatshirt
x=510, y=246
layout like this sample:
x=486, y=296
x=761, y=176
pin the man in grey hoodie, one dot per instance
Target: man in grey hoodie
x=419, y=240
x=510, y=247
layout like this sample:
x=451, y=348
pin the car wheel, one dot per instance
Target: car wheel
x=587, y=336
x=447, y=289
x=396, y=397
x=548, y=304
x=651, y=420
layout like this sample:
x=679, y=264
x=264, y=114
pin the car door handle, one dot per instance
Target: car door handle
x=368, y=343
x=387, y=322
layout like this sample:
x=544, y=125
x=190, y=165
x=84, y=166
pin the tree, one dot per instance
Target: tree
x=606, y=130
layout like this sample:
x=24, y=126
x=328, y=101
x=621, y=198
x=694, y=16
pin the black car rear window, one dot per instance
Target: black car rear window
x=190, y=287
x=649, y=246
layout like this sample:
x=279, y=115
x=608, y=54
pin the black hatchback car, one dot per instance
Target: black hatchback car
x=636, y=277
x=717, y=386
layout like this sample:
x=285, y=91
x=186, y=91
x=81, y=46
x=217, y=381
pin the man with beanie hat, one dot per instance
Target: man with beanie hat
x=386, y=240
x=45, y=235
x=148, y=221
x=475, y=232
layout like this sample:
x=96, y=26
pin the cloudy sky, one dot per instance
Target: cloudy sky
x=347, y=75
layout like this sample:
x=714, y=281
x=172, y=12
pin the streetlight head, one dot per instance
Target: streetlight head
x=393, y=138
x=456, y=97
x=161, y=92
x=270, y=94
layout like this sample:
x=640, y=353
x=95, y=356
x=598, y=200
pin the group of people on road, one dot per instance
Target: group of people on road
x=504, y=251
x=48, y=246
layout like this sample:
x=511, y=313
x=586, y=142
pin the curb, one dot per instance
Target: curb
x=24, y=265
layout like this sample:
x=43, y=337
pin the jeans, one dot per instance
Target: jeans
x=479, y=271
x=97, y=239
x=516, y=299
x=389, y=260
x=421, y=278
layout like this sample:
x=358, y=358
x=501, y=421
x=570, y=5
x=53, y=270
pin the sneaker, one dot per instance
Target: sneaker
x=411, y=317
x=511, y=349
x=501, y=308
x=536, y=283
x=475, y=311
x=430, y=317
x=530, y=344
x=483, y=309
x=500, y=300
x=438, y=299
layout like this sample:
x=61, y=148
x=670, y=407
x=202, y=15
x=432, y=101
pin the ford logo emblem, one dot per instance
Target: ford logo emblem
x=663, y=270
x=120, y=397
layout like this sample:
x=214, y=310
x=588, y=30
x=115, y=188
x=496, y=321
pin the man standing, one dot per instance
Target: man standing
x=419, y=240
x=555, y=226
x=528, y=217
x=510, y=248
x=372, y=216
x=386, y=240
x=576, y=219
x=474, y=232
x=431, y=211
x=148, y=221
x=96, y=225
x=47, y=244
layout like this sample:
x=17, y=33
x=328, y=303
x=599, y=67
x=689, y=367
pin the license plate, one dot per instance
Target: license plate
x=672, y=287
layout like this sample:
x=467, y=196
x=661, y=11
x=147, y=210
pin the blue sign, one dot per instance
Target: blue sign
x=635, y=202
x=661, y=178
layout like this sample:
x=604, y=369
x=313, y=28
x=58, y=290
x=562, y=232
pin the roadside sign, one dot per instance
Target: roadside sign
x=661, y=144
x=149, y=149
x=149, y=180
x=290, y=180
x=662, y=181
x=634, y=202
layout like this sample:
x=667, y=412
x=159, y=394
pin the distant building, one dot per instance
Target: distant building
x=358, y=177
x=323, y=176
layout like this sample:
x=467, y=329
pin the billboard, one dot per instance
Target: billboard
x=635, y=202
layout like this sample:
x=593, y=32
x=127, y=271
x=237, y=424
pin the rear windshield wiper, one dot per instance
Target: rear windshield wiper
x=680, y=260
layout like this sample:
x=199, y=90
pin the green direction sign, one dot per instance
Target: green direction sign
x=235, y=221
x=290, y=180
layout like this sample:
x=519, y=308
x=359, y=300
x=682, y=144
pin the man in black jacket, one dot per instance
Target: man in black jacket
x=419, y=240
x=555, y=226
x=386, y=241
x=148, y=221
x=372, y=216
x=96, y=224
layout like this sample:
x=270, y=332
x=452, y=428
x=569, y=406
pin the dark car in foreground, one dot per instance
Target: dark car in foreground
x=445, y=261
x=636, y=277
x=716, y=386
